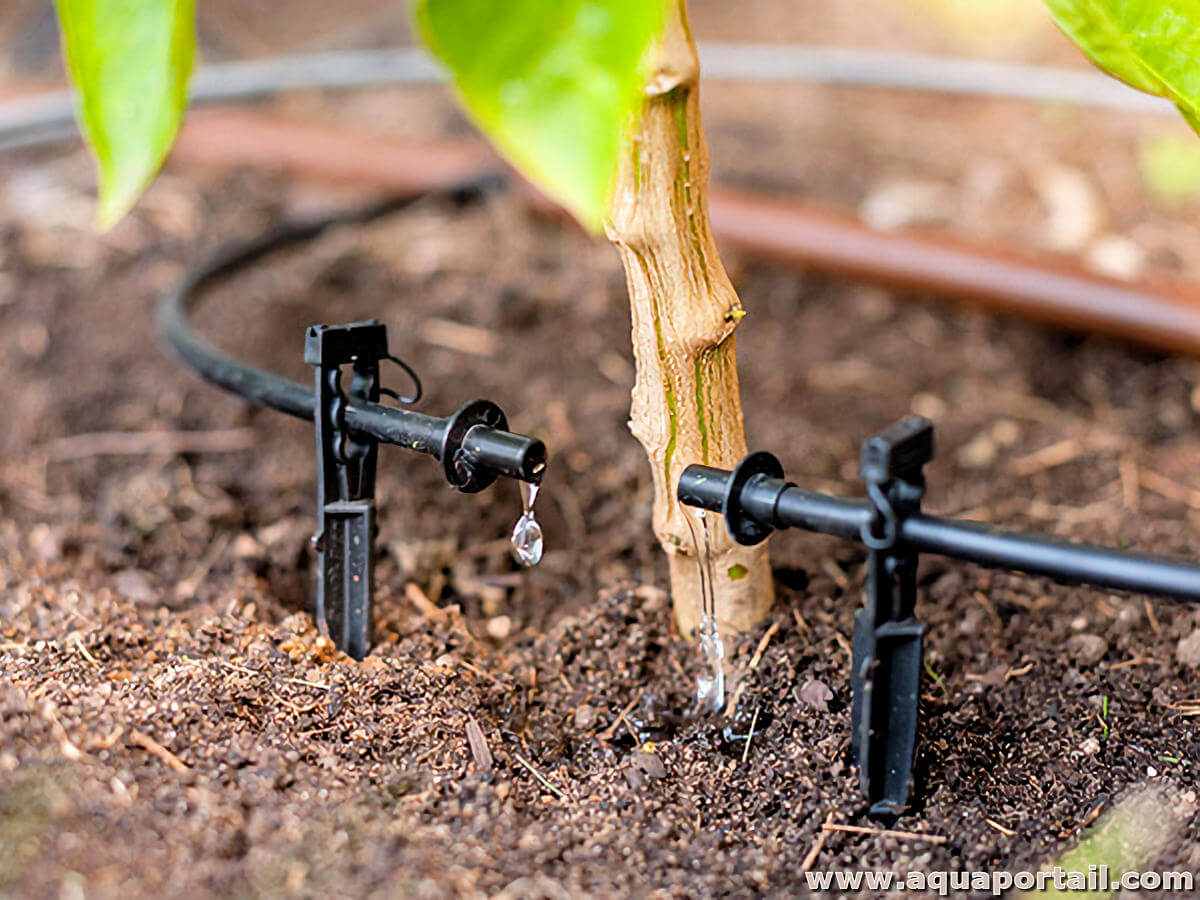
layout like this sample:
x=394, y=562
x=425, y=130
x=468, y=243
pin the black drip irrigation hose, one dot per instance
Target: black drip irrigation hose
x=523, y=460
x=258, y=385
x=473, y=445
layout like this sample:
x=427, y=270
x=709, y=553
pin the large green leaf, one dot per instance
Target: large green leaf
x=553, y=83
x=130, y=61
x=1153, y=45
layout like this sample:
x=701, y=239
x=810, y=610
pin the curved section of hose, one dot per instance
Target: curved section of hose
x=258, y=385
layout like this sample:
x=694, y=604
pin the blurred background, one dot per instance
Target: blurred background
x=1073, y=180
x=1115, y=190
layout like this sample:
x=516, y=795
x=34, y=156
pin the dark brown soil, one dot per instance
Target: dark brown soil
x=171, y=724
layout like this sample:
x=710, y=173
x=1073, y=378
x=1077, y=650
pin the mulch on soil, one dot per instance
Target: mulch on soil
x=172, y=723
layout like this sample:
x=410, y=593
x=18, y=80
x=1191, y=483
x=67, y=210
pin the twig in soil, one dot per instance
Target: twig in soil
x=1018, y=672
x=1007, y=832
x=248, y=671
x=78, y=642
x=461, y=624
x=108, y=741
x=1152, y=618
x=66, y=746
x=1136, y=661
x=482, y=673
x=1131, y=481
x=750, y=734
x=1186, y=708
x=885, y=832
x=538, y=775
x=424, y=605
x=817, y=847
x=154, y=748
x=142, y=443
x=607, y=733
x=477, y=741
x=732, y=706
x=834, y=571
x=1092, y=815
x=762, y=645
x=982, y=599
x=1050, y=457
x=801, y=624
x=843, y=643
x=1172, y=490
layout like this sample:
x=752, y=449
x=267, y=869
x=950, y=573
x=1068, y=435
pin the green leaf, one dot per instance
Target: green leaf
x=1152, y=45
x=130, y=61
x=553, y=83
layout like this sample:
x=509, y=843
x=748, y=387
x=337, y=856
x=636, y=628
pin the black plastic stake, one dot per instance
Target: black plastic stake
x=886, y=676
x=345, y=478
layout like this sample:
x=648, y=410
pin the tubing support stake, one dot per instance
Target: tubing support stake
x=346, y=461
x=886, y=674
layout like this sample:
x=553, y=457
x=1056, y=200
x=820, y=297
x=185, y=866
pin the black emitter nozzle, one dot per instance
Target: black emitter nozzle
x=747, y=496
x=473, y=444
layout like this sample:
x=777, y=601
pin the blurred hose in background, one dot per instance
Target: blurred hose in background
x=50, y=117
x=1162, y=313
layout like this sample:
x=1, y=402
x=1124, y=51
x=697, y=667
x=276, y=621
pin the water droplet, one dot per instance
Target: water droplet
x=527, y=533
x=710, y=685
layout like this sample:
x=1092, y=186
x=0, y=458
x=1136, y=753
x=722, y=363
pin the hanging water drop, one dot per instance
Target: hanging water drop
x=527, y=533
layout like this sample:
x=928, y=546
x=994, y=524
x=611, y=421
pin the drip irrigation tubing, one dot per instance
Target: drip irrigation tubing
x=49, y=117
x=493, y=449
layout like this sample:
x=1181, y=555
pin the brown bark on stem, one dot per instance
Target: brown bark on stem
x=686, y=403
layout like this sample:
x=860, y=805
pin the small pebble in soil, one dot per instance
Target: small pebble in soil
x=585, y=717
x=1087, y=649
x=246, y=547
x=1187, y=651
x=816, y=694
x=649, y=763
x=499, y=627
